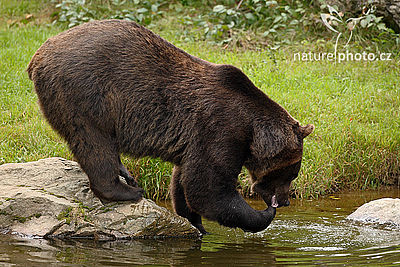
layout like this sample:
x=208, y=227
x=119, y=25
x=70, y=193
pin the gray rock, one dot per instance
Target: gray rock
x=51, y=198
x=382, y=211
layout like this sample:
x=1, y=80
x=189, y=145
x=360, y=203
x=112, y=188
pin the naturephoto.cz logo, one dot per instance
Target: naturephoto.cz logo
x=340, y=57
x=335, y=19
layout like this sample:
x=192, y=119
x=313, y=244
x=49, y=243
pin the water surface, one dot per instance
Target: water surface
x=306, y=233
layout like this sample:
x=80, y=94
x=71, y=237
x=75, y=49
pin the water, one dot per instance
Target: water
x=306, y=233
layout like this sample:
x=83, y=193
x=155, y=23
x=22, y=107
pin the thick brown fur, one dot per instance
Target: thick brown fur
x=112, y=87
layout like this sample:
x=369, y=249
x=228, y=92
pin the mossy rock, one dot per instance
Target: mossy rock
x=50, y=198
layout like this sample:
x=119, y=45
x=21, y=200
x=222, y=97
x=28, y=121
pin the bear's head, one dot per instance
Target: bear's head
x=276, y=153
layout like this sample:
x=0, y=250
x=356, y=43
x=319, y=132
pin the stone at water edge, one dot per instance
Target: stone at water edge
x=51, y=198
x=380, y=211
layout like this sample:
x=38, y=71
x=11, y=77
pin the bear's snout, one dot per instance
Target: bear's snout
x=283, y=200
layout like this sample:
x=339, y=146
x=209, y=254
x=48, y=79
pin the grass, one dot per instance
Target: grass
x=355, y=107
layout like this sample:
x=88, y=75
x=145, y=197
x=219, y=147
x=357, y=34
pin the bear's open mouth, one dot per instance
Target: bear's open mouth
x=274, y=202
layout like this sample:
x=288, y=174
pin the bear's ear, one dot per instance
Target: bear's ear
x=306, y=130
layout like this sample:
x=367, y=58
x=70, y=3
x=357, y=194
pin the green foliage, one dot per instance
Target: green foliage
x=75, y=12
x=145, y=12
x=276, y=20
x=280, y=23
x=250, y=24
x=367, y=26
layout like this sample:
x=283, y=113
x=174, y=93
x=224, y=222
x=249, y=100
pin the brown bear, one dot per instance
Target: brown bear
x=111, y=87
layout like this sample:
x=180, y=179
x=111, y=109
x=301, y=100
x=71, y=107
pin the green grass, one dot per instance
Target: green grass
x=355, y=107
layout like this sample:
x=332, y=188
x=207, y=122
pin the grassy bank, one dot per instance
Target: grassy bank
x=354, y=105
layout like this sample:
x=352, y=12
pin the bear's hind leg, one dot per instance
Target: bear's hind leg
x=179, y=202
x=99, y=158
